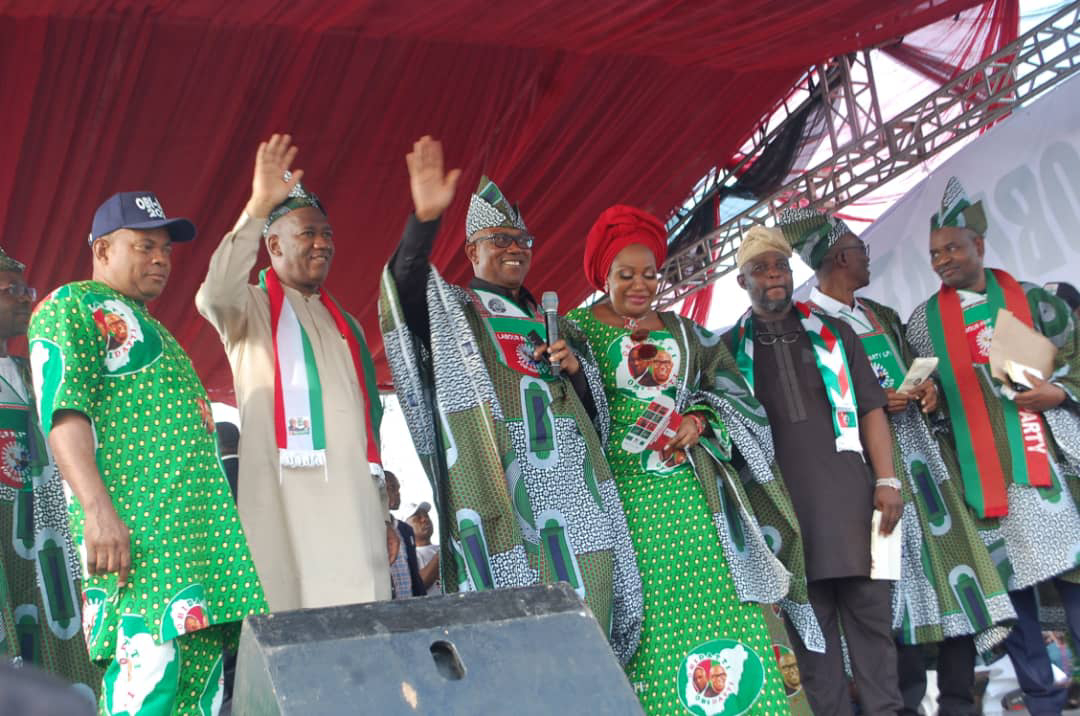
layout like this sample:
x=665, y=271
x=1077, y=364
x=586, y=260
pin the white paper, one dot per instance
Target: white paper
x=885, y=552
x=1016, y=372
x=920, y=370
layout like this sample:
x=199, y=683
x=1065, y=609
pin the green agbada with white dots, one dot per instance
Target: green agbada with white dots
x=98, y=352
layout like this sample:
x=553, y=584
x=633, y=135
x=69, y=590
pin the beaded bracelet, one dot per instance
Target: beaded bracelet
x=698, y=421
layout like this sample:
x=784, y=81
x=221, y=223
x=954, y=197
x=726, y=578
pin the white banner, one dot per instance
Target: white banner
x=1026, y=171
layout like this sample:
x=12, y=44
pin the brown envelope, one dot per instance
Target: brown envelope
x=1014, y=341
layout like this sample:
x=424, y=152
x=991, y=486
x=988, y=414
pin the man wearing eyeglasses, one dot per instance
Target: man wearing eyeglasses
x=825, y=410
x=39, y=621
x=524, y=491
x=940, y=538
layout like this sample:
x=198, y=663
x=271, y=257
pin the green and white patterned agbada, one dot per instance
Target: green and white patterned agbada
x=1039, y=538
x=40, y=615
x=949, y=584
x=100, y=353
x=524, y=493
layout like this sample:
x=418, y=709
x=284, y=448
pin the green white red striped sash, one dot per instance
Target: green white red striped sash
x=985, y=485
x=832, y=364
x=299, y=423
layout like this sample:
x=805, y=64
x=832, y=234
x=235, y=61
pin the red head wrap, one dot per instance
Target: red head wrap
x=614, y=230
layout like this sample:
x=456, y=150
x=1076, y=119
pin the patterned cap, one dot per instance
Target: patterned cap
x=9, y=264
x=957, y=210
x=488, y=209
x=298, y=198
x=811, y=233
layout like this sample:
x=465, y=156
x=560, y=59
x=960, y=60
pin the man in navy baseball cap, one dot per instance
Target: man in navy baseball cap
x=138, y=210
x=131, y=240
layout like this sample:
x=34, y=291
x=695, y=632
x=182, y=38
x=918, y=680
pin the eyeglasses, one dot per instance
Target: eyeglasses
x=18, y=290
x=503, y=241
x=768, y=339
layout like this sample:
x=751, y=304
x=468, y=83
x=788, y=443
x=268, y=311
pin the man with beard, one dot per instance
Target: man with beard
x=825, y=410
x=310, y=482
x=1019, y=451
x=940, y=538
x=167, y=575
x=39, y=616
x=517, y=465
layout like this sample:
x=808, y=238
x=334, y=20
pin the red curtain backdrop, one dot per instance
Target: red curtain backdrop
x=569, y=106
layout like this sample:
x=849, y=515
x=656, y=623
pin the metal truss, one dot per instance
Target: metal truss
x=866, y=151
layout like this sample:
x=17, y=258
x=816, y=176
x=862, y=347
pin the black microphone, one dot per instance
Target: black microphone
x=550, y=302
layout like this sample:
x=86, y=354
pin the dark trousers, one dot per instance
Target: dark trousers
x=864, y=607
x=1027, y=649
x=956, y=676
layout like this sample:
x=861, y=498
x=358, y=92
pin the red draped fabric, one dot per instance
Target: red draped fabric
x=944, y=50
x=569, y=106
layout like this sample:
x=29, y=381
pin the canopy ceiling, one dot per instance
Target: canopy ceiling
x=570, y=106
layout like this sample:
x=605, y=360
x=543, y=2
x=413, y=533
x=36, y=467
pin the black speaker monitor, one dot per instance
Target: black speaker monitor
x=527, y=651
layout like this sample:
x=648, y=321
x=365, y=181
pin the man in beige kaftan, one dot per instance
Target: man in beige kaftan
x=310, y=492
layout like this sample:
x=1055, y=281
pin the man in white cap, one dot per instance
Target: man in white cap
x=427, y=554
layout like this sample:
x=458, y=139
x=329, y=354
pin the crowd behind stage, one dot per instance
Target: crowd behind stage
x=715, y=499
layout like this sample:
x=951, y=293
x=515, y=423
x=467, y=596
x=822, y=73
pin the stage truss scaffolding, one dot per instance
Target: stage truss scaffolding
x=866, y=151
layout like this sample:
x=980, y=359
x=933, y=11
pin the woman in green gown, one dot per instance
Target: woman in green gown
x=703, y=557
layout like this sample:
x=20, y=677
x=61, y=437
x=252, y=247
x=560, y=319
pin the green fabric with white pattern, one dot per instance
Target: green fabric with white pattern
x=100, y=353
x=686, y=608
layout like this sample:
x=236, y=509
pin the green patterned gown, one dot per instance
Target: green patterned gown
x=40, y=619
x=98, y=352
x=703, y=650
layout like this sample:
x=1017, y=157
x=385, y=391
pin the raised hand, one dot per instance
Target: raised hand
x=432, y=187
x=269, y=186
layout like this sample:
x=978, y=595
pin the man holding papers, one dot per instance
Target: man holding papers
x=949, y=590
x=1019, y=457
x=825, y=410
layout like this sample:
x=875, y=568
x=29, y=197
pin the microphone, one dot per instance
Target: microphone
x=550, y=302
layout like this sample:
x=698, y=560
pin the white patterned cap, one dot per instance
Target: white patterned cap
x=957, y=210
x=488, y=209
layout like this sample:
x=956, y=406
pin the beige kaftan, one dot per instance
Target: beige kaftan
x=318, y=539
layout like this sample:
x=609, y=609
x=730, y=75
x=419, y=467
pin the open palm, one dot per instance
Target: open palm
x=432, y=188
x=269, y=187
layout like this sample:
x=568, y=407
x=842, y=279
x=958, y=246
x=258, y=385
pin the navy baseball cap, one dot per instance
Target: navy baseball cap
x=137, y=210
